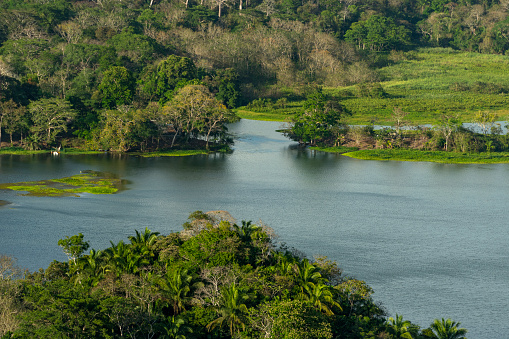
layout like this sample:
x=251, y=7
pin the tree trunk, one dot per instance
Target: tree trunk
x=174, y=137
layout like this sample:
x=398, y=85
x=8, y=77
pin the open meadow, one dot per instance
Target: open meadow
x=425, y=83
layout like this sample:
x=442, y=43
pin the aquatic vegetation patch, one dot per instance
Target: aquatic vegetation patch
x=86, y=182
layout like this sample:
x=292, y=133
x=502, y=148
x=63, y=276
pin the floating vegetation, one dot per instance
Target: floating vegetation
x=86, y=182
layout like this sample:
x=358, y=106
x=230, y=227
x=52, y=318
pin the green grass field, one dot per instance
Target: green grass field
x=424, y=83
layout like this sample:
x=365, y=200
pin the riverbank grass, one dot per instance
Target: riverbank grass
x=172, y=153
x=431, y=156
x=85, y=182
x=22, y=151
x=272, y=115
x=337, y=149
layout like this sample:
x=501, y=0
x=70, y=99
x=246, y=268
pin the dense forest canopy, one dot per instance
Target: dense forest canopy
x=214, y=279
x=90, y=58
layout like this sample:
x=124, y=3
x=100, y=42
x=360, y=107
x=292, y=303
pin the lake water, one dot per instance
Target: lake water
x=431, y=239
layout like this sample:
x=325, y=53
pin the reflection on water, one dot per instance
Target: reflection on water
x=429, y=238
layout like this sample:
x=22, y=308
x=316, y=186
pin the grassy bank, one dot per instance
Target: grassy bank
x=74, y=151
x=21, y=151
x=431, y=156
x=85, y=182
x=425, y=83
x=272, y=115
x=340, y=149
x=173, y=153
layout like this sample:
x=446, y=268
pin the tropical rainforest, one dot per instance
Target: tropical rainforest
x=213, y=279
x=125, y=75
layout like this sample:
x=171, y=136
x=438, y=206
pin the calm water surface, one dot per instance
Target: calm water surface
x=431, y=239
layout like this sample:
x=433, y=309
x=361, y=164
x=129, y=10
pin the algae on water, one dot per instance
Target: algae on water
x=86, y=182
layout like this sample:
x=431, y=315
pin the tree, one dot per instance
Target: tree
x=320, y=296
x=400, y=328
x=320, y=121
x=122, y=128
x=194, y=110
x=145, y=239
x=50, y=117
x=485, y=120
x=91, y=266
x=447, y=125
x=378, y=33
x=117, y=87
x=14, y=119
x=74, y=246
x=294, y=319
x=173, y=73
x=398, y=116
x=232, y=310
x=447, y=329
x=175, y=287
x=138, y=48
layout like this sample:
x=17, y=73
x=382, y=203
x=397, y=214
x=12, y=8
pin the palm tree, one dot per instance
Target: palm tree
x=232, y=311
x=145, y=239
x=91, y=266
x=320, y=296
x=247, y=230
x=175, y=287
x=116, y=256
x=447, y=329
x=400, y=328
x=176, y=326
x=307, y=273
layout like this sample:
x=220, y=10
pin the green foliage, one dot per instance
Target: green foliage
x=378, y=33
x=232, y=310
x=173, y=73
x=50, y=117
x=117, y=87
x=371, y=90
x=399, y=328
x=201, y=282
x=320, y=121
x=74, y=246
x=293, y=319
x=137, y=48
x=447, y=329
